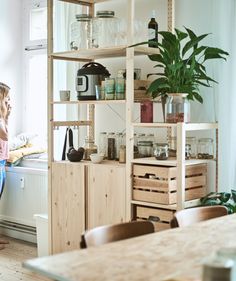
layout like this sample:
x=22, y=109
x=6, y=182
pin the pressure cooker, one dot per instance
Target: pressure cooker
x=88, y=76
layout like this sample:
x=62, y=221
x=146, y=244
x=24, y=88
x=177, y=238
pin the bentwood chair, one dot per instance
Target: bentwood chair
x=111, y=233
x=193, y=215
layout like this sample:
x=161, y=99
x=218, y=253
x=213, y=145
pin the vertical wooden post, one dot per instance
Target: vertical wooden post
x=50, y=118
x=181, y=134
x=217, y=163
x=129, y=109
x=171, y=15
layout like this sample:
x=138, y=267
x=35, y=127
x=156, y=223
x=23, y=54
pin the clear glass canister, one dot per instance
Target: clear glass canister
x=205, y=148
x=103, y=144
x=104, y=29
x=192, y=141
x=119, y=142
x=89, y=148
x=161, y=151
x=177, y=108
x=80, y=33
x=145, y=148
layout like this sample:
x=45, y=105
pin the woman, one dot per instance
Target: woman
x=5, y=110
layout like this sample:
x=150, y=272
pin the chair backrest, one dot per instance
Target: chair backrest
x=192, y=215
x=111, y=233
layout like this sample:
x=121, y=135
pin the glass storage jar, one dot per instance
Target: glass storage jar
x=145, y=148
x=205, y=149
x=161, y=151
x=104, y=29
x=177, y=108
x=103, y=144
x=119, y=142
x=192, y=141
x=89, y=148
x=111, y=146
x=80, y=32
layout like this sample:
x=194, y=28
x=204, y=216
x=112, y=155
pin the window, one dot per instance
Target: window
x=35, y=67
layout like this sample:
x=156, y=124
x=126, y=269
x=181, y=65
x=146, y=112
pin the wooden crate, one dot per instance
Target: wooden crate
x=143, y=213
x=162, y=188
x=140, y=90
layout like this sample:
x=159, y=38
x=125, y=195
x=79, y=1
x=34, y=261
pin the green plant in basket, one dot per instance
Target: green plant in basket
x=226, y=199
x=183, y=60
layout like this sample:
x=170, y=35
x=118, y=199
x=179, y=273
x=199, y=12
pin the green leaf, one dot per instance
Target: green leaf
x=156, y=57
x=193, y=43
x=233, y=192
x=158, y=85
x=224, y=196
x=180, y=34
x=198, y=97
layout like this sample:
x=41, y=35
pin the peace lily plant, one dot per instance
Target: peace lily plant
x=183, y=62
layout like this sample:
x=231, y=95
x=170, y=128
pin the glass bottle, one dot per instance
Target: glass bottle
x=105, y=29
x=122, y=154
x=80, y=33
x=111, y=146
x=161, y=151
x=119, y=141
x=89, y=148
x=103, y=144
x=192, y=141
x=146, y=111
x=205, y=148
x=153, y=31
x=177, y=108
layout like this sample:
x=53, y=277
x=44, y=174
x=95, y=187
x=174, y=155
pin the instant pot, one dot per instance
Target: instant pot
x=88, y=76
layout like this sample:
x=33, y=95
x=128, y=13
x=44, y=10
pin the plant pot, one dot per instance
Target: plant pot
x=177, y=108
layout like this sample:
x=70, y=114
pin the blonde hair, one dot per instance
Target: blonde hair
x=4, y=92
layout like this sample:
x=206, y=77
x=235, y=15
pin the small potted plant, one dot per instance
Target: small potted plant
x=227, y=199
x=182, y=60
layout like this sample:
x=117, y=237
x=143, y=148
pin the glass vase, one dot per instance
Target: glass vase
x=177, y=108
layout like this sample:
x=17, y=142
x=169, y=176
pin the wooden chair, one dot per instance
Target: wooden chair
x=192, y=215
x=111, y=233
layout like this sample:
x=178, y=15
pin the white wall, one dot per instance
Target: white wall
x=10, y=57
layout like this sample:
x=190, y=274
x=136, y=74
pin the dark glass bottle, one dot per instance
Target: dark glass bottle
x=152, y=31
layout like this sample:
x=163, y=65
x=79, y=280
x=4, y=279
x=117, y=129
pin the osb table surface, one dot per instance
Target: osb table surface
x=171, y=254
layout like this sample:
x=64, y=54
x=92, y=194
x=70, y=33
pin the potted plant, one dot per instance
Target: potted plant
x=183, y=62
x=226, y=199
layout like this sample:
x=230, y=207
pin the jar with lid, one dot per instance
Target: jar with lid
x=80, y=32
x=119, y=142
x=111, y=146
x=122, y=154
x=187, y=151
x=104, y=29
x=192, y=141
x=161, y=151
x=103, y=144
x=177, y=108
x=89, y=148
x=205, y=149
x=145, y=148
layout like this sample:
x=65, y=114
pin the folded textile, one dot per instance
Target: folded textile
x=26, y=150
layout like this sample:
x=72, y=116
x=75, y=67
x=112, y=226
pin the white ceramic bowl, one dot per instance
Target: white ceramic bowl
x=96, y=157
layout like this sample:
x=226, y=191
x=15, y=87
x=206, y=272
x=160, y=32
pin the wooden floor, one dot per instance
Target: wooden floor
x=11, y=259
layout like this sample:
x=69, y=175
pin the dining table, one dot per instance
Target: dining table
x=174, y=254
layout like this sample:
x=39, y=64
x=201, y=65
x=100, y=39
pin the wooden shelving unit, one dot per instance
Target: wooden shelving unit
x=66, y=171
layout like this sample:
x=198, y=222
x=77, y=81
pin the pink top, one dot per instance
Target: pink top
x=4, y=152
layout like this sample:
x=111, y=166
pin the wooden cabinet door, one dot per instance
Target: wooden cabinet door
x=67, y=206
x=106, y=195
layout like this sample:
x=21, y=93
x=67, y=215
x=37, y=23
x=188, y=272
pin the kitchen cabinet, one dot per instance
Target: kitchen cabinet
x=67, y=205
x=106, y=194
